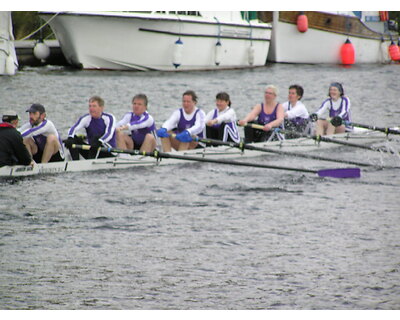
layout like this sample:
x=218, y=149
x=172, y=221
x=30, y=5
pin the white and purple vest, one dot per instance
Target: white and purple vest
x=264, y=118
x=184, y=124
x=102, y=128
x=138, y=135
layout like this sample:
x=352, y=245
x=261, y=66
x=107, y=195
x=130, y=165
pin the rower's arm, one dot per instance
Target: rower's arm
x=199, y=124
x=252, y=114
x=173, y=120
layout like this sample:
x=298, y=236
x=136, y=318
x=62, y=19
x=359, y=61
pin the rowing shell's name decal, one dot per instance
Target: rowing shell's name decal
x=39, y=170
x=24, y=169
x=51, y=170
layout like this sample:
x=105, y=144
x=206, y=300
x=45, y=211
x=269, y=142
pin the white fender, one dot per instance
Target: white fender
x=178, y=53
x=10, y=66
x=251, y=55
x=2, y=62
x=41, y=51
x=384, y=52
x=218, y=53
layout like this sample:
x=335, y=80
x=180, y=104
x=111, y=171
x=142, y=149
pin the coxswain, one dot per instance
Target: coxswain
x=12, y=148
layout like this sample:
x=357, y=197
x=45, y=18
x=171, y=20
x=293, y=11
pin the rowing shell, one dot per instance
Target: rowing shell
x=220, y=152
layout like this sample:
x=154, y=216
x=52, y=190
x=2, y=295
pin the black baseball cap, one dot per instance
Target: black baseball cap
x=36, y=107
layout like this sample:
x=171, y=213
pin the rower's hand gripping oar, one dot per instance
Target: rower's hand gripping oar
x=333, y=173
x=338, y=121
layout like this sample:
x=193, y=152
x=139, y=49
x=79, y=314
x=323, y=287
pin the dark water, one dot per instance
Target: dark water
x=202, y=236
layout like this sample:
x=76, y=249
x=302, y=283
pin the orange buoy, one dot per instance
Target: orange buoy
x=384, y=15
x=347, y=53
x=394, y=52
x=398, y=44
x=302, y=22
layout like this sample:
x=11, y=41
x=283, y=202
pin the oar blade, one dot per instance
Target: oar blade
x=340, y=173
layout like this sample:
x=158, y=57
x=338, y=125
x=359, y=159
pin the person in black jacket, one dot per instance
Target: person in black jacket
x=12, y=148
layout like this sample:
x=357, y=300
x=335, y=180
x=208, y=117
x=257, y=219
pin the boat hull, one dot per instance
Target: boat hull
x=8, y=57
x=147, y=41
x=323, y=40
x=125, y=161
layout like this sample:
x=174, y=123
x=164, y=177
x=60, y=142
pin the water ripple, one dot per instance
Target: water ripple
x=201, y=236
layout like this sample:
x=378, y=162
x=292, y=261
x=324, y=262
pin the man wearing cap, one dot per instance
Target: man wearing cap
x=100, y=131
x=41, y=137
x=337, y=105
x=12, y=148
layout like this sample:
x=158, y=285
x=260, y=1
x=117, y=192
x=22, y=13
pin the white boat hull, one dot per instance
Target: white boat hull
x=147, y=41
x=8, y=57
x=288, y=45
x=300, y=145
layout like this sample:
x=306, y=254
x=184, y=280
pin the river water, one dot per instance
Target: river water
x=203, y=236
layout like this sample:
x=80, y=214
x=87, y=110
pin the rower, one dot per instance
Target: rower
x=41, y=137
x=296, y=113
x=141, y=125
x=221, y=121
x=100, y=131
x=184, y=122
x=337, y=105
x=12, y=147
x=269, y=113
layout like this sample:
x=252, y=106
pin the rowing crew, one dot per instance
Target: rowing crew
x=44, y=143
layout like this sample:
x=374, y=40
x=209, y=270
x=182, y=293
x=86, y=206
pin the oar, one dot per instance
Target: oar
x=338, y=121
x=315, y=137
x=242, y=146
x=333, y=173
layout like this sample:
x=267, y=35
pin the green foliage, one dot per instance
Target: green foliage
x=26, y=22
x=394, y=15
